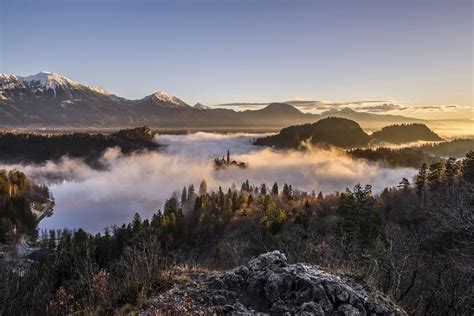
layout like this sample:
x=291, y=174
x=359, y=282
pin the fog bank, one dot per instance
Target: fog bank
x=94, y=199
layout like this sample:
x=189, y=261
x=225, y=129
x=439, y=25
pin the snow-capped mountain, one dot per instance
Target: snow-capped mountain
x=164, y=98
x=42, y=82
x=48, y=80
x=48, y=99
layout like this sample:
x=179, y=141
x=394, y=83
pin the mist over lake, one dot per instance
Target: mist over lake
x=95, y=199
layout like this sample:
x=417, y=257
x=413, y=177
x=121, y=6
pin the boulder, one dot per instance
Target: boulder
x=269, y=285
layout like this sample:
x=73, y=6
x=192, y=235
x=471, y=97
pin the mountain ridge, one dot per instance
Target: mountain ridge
x=50, y=99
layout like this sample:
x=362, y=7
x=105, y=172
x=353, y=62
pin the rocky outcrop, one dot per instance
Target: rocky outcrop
x=269, y=285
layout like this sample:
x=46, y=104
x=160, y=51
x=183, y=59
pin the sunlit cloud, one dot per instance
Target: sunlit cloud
x=94, y=199
x=385, y=107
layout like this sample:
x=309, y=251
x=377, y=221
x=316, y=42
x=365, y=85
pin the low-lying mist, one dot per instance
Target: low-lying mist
x=94, y=199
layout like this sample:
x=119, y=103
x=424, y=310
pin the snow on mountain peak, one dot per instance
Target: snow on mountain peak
x=48, y=80
x=167, y=98
x=99, y=90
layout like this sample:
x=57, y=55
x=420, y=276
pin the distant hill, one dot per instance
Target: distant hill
x=370, y=120
x=39, y=148
x=364, y=116
x=405, y=133
x=334, y=131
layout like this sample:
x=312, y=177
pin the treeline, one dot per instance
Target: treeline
x=17, y=194
x=38, y=148
x=412, y=242
x=395, y=157
x=454, y=148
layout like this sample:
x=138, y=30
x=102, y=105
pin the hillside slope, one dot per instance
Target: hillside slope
x=405, y=133
x=334, y=131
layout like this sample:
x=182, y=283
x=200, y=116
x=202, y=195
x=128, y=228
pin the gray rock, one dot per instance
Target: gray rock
x=269, y=285
x=219, y=300
x=311, y=308
x=348, y=310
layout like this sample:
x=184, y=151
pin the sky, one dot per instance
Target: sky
x=415, y=54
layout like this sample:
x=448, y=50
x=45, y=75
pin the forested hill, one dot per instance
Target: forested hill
x=454, y=148
x=38, y=148
x=22, y=202
x=335, y=131
x=346, y=133
x=405, y=133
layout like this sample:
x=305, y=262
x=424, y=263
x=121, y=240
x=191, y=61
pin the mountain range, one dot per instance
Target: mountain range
x=49, y=99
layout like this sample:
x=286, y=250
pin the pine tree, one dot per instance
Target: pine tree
x=245, y=188
x=452, y=170
x=263, y=189
x=137, y=223
x=287, y=192
x=203, y=188
x=421, y=182
x=235, y=201
x=404, y=184
x=250, y=200
x=191, y=193
x=184, y=196
x=436, y=175
x=275, y=189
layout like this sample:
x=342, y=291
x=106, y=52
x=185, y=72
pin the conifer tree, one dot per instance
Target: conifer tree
x=203, y=188
x=275, y=189
x=404, y=184
x=421, y=183
x=191, y=193
x=436, y=175
x=320, y=196
x=451, y=171
x=250, y=200
x=287, y=194
x=184, y=196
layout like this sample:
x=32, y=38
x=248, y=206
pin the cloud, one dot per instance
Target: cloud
x=243, y=105
x=440, y=108
x=94, y=199
x=386, y=107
